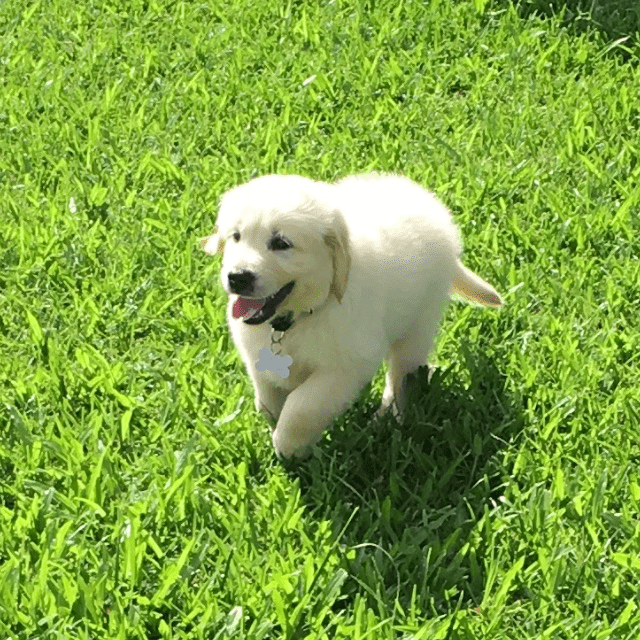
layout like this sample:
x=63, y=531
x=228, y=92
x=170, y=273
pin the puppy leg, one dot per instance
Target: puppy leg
x=408, y=354
x=311, y=408
x=269, y=400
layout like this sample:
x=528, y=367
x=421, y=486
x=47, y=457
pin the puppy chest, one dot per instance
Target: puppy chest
x=285, y=375
x=286, y=364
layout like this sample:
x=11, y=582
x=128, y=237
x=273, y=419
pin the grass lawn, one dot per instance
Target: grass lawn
x=139, y=494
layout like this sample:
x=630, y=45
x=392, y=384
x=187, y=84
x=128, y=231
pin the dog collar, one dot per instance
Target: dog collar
x=283, y=322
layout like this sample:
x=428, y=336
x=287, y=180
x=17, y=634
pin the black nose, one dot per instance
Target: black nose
x=242, y=282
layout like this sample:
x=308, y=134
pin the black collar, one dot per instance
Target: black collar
x=284, y=321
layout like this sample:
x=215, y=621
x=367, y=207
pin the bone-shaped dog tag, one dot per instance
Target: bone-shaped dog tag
x=269, y=361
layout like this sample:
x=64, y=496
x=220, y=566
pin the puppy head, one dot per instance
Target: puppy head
x=285, y=247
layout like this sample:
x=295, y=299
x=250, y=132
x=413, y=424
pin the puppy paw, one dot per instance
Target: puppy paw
x=392, y=409
x=382, y=410
x=286, y=447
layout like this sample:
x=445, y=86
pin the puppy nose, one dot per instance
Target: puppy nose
x=242, y=282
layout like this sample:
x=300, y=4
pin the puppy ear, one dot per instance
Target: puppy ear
x=212, y=244
x=337, y=239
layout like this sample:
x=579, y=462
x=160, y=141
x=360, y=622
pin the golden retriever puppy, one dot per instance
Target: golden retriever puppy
x=327, y=280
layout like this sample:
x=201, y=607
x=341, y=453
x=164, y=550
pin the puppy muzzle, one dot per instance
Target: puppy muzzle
x=242, y=282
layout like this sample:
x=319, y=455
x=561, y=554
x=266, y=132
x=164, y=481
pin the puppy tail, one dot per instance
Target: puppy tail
x=473, y=288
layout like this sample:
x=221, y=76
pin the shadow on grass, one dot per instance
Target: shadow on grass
x=613, y=19
x=417, y=498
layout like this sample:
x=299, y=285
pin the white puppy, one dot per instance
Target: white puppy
x=326, y=281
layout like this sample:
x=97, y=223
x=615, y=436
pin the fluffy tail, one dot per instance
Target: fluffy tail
x=472, y=287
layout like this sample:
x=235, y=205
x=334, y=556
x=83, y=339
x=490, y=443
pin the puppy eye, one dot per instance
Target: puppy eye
x=236, y=236
x=278, y=243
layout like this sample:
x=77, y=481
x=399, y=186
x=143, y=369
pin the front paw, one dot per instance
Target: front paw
x=288, y=447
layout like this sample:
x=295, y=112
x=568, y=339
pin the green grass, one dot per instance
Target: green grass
x=139, y=495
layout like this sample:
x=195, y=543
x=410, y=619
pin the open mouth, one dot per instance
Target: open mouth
x=258, y=310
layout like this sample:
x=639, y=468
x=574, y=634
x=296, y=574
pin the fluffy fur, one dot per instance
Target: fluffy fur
x=374, y=257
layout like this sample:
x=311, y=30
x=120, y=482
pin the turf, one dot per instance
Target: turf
x=139, y=494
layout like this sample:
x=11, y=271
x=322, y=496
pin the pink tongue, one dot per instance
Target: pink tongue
x=242, y=306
